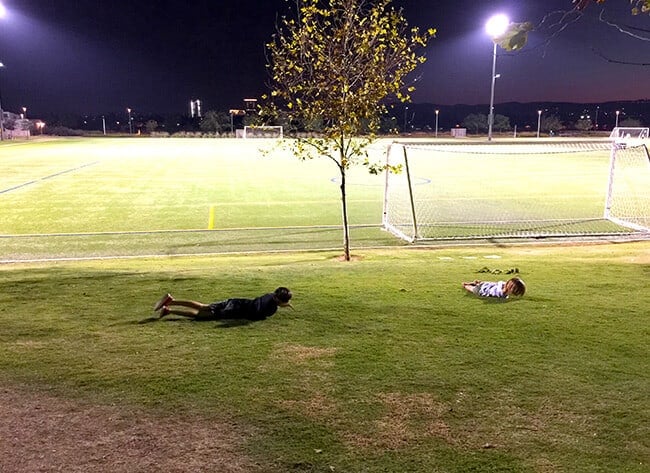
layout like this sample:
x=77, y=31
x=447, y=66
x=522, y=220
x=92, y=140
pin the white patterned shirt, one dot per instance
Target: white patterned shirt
x=492, y=289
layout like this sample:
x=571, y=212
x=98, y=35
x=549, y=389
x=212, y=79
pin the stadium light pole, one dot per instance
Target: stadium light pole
x=2, y=113
x=618, y=112
x=128, y=110
x=495, y=27
x=539, y=121
x=437, y=113
x=406, y=110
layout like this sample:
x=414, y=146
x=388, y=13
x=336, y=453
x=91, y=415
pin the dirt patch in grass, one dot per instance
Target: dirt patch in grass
x=407, y=417
x=41, y=432
x=301, y=353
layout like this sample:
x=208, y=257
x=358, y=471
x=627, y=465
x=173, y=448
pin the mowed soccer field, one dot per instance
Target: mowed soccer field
x=113, y=197
x=385, y=365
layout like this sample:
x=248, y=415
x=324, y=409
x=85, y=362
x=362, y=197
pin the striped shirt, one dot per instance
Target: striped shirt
x=492, y=289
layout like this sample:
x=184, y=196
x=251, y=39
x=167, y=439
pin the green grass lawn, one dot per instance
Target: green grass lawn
x=385, y=365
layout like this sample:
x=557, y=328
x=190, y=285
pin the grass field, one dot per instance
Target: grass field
x=386, y=365
x=119, y=197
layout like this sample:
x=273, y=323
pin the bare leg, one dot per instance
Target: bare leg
x=470, y=286
x=196, y=309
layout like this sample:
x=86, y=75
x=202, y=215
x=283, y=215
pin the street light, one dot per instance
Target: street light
x=495, y=27
x=130, y=123
x=437, y=113
x=539, y=121
x=618, y=112
x=25, y=113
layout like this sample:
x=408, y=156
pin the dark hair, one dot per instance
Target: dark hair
x=519, y=288
x=283, y=294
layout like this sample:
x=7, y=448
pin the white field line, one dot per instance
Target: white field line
x=198, y=230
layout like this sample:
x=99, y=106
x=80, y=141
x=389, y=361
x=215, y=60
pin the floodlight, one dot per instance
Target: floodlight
x=497, y=25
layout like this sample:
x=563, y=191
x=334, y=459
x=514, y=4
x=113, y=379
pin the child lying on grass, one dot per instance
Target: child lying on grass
x=498, y=289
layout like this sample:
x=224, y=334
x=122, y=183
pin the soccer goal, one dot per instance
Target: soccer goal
x=263, y=132
x=479, y=191
x=628, y=133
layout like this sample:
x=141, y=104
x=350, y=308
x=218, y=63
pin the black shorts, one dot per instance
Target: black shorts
x=228, y=309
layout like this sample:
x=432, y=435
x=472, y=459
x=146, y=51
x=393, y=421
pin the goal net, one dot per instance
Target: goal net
x=263, y=132
x=478, y=191
x=628, y=133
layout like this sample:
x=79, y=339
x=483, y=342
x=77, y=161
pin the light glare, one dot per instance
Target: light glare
x=497, y=25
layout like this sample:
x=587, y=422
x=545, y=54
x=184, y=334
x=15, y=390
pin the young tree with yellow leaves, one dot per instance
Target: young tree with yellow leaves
x=332, y=67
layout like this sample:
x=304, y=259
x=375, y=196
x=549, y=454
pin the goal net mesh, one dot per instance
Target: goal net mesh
x=517, y=190
x=263, y=132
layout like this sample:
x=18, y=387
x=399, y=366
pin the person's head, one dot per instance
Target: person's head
x=515, y=286
x=282, y=296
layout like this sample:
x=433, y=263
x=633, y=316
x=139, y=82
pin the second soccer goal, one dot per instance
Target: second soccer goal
x=478, y=191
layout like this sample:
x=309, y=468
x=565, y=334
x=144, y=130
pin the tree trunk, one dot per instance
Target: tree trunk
x=344, y=205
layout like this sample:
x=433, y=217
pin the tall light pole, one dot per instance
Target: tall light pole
x=406, y=110
x=495, y=27
x=618, y=112
x=128, y=110
x=2, y=113
x=539, y=121
x=437, y=113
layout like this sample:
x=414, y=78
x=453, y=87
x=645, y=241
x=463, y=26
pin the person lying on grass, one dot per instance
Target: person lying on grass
x=235, y=308
x=499, y=289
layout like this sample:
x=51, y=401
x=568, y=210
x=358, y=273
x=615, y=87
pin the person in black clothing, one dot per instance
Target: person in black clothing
x=236, y=308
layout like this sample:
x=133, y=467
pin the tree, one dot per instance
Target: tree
x=638, y=6
x=584, y=124
x=475, y=122
x=630, y=123
x=215, y=122
x=550, y=123
x=151, y=126
x=516, y=35
x=334, y=65
x=501, y=123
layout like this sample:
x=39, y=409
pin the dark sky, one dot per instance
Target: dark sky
x=101, y=56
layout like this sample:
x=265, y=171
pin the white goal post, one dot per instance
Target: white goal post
x=263, y=132
x=482, y=191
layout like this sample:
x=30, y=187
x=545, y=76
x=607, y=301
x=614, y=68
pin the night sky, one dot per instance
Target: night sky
x=101, y=56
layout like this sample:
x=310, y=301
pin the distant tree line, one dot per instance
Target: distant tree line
x=220, y=123
x=477, y=123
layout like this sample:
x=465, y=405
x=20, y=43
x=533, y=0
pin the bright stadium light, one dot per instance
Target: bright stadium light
x=3, y=11
x=495, y=27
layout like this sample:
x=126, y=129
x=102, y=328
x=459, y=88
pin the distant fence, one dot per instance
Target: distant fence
x=16, y=134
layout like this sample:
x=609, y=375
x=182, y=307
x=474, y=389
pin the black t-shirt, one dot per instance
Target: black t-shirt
x=250, y=309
